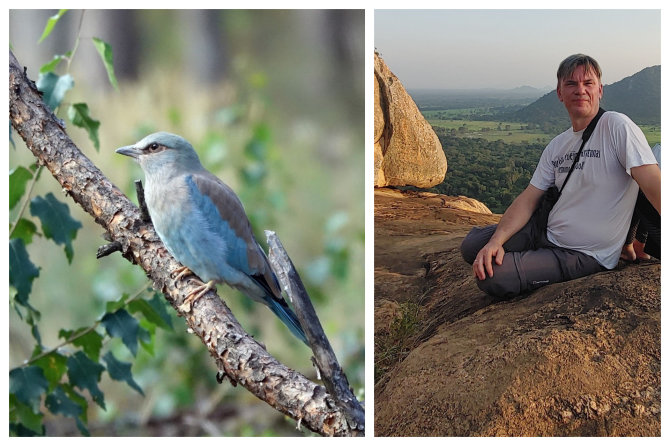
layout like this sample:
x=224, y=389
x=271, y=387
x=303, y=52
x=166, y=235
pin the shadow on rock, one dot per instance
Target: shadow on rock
x=574, y=358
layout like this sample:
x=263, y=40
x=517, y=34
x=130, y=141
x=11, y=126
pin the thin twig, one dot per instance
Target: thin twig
x=76, y=41
x=108, y=249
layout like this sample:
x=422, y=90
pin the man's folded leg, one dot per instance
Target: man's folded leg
x=480, y=236
x=528, y=270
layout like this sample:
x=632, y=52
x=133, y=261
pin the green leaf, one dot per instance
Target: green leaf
x=54, y=88
x=262, y=132
x=57, y=224
x=26, y=422
x=35, y=167
x=34, y=329
x=59, y=403
x=22, y=271
x=120, y=371
x=18, y=178
x=148, y=336
x=81, y=402
x=154, y=310
x=53, y=366
x=90, y=342
x=82, y=428
x=78, y=114
x=28, y=384
x=24, y=229
x=85, y=374
x=122, y=325
x=53, y=63
x=77, y=398
x=114, y=305
x=256, y=149
x=19, y=430
x=105, y=51
x=337, y=250
x=50, y=24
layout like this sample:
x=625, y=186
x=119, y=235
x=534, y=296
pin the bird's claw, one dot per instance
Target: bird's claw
x=181, y=272
x=196, y=294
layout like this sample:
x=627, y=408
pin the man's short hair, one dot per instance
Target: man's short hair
x=568, y=66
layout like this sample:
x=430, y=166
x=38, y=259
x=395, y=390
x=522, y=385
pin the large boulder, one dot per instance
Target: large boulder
x=406, y=149
x=579, y=358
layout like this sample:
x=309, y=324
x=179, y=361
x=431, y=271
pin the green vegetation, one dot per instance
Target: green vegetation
x=458, y=114
x=509, y=132
x=130, y=320
x=393, y=347
x=494, y=161
x=652, y=133
x=493, y=172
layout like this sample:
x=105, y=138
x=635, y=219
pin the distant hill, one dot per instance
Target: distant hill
x=638, y=96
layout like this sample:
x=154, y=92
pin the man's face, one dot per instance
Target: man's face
x=581, y=93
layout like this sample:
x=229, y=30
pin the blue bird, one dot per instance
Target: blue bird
x=203, y=225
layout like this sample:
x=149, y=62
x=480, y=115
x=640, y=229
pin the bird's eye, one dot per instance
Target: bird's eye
x=154, y=147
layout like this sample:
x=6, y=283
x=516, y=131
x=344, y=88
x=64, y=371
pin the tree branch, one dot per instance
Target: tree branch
x=333, y=377
x=237, y=354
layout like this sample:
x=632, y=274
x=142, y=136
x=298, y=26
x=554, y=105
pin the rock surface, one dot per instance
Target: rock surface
x=578, y=358
x=406, y=149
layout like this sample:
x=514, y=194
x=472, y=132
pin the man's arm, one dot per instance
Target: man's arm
x=514, y=218
x=648, y=177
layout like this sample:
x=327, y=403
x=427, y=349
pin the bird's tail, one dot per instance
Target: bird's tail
x=288, y=317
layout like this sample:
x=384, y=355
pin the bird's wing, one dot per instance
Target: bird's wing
x=231, y=210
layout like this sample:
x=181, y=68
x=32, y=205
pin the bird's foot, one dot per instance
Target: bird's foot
x=181, y=272
x=196, y=294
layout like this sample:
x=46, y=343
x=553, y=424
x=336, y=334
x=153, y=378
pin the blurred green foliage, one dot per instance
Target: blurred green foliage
x=298, y=172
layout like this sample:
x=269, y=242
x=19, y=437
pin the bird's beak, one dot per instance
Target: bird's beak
x=130, y=151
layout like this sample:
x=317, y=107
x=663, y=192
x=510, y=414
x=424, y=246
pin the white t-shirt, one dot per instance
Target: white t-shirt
x=594, y=212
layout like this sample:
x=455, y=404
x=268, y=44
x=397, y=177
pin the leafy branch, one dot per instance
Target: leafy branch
x=72, y=337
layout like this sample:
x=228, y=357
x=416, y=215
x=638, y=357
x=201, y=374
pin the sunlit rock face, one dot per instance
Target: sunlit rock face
x=406, y=149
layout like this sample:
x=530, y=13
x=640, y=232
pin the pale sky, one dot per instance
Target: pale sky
x=511, y=48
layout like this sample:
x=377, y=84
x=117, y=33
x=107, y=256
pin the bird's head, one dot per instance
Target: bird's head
x=160, y=151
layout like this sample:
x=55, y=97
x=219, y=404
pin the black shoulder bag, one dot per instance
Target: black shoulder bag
x=550, y=197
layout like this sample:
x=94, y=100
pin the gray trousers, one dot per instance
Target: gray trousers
x=524, y=269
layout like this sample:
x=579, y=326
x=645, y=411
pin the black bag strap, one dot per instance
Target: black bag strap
x=585, y=137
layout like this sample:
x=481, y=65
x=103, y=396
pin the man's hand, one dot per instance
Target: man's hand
x=484, y=261
x=515, y=217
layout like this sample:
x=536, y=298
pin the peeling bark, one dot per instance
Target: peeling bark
x=237, y=354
